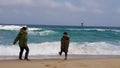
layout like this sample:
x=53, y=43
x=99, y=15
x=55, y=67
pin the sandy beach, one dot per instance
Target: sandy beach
x=111, y=62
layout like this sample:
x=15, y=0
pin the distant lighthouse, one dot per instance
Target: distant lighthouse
x=82, y=24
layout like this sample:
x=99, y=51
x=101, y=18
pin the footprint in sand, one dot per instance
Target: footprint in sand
x=47, y=65
x=50, y=66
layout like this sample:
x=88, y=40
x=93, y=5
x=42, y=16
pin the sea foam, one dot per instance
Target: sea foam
x=52, y=48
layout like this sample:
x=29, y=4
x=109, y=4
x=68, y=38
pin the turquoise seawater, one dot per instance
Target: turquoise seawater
x=45, y=39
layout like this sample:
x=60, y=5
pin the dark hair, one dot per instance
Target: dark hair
x=24, y=28
x=65, y=33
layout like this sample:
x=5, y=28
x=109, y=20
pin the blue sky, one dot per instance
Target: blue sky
x=61, y=12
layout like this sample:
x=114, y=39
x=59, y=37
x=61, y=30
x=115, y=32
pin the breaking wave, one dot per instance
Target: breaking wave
x=52, y=48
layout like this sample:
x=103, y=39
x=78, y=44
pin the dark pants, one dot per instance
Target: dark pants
x=21, y=52
x=64, y=52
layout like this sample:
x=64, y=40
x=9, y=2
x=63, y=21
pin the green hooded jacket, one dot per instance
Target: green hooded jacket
x=22, y=38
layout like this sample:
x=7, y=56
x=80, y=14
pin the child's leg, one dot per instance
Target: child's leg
x=65, y=55
x=60, y=53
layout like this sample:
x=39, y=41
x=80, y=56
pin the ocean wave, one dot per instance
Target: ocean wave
x=90, y=29
x=34, y=29
x=116, y=30
x=43, y=32
x=52, y=48
x=10, y=27
x=47, y=32
x=96, y=29
x=17, y=27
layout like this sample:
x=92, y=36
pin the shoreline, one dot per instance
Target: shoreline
x=70, y=57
